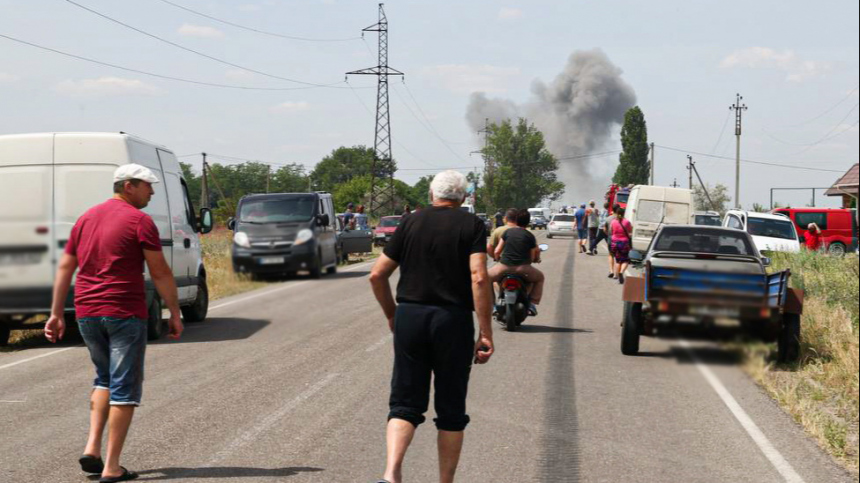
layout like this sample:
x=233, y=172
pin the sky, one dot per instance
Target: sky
x=794, y=62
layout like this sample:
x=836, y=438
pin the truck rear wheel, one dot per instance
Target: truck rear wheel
x=631, y=328
x=836, y=249
x=196, y=312
x=155, y=324
x=788, y=344
x=5, y=331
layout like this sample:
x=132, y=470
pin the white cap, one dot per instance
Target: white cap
x=134, y=171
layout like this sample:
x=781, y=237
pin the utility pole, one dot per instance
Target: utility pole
x=381, y=190
x=704, y=188
x=675, y=183
x=690, y=169
x=204, y=185
x=652, y=164
x=268, y=176
x=739, y=109
x=488, y=166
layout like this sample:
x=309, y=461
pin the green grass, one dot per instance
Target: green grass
x=820, y=390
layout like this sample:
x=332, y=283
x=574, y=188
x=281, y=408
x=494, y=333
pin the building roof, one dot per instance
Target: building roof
x=847, y=183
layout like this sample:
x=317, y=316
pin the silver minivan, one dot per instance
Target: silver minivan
x=47, y=181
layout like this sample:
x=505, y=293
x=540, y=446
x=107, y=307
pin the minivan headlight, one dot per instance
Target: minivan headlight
x=304, y=236
x=241, y=239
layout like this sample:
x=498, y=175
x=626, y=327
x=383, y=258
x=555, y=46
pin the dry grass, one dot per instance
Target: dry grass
x=821, y=390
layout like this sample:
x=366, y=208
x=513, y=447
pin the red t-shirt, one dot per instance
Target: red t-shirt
x=813, y=241
x=108, y=241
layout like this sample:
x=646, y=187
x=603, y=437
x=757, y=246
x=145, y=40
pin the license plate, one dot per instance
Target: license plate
x=729, y=312
x=9, y=259
x=271, y=260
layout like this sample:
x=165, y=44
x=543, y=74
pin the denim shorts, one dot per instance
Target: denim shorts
x=117, y=349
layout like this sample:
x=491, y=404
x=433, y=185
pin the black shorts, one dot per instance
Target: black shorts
x=438, y=341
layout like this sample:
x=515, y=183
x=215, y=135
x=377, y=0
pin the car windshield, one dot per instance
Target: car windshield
x=771, y=228
x=708, y=220
x=563, y=218
x=283, y=210
x=389, y=222
x=690, y=240
x=622, y=197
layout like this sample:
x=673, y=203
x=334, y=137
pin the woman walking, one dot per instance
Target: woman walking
x=621, y=243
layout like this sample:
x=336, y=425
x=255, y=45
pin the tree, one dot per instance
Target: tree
x=633, y=167
x=194, y=182
x=421, y=190
x=345, y=163
x=523, y=169
x=357, y=191
x=719, y=195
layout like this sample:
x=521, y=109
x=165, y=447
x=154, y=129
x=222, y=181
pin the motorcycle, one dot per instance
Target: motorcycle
x=513, y=304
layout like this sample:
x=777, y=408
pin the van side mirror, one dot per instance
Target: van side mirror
x=323, y=220
x=636, y=256
x=205, y=223
x=231, y=224
x=766, y=261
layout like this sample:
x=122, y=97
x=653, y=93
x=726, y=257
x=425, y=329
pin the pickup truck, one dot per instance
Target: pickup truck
x=707, y=273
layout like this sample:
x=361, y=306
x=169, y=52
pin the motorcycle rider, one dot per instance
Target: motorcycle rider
x=496, y=237
x=517, y=252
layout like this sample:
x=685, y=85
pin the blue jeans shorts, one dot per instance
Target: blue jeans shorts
x=117, y=348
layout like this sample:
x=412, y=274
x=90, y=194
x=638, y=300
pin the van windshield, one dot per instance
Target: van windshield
x=708, y=220
x=622, y=198
x=771, y=228
x=283, y=210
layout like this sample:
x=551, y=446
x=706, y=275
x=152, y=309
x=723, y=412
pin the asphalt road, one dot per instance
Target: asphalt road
x=290, y=383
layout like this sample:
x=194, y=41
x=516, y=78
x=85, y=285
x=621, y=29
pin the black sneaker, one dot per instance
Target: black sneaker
x=611, y=275
x=621, y=278
x=533, y=310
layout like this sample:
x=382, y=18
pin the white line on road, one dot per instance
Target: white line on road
x=13, y=364
x=266, y=423
x=279, y=289
x=776, y=459
x=379, y=344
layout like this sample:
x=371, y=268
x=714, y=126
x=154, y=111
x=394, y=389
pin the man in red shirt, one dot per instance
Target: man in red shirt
x=108, y=246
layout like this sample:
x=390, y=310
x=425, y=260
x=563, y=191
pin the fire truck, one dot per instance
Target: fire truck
x=617, y=195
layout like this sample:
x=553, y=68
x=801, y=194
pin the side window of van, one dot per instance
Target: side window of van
x=189, y=207
x=804, y=219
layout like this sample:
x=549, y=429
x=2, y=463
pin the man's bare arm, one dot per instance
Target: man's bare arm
x=56, y=326
x=379, y=281
x=498, y=253
x=483, y=299
x=162, y=277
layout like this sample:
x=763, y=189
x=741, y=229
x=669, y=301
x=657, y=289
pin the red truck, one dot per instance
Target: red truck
x=838, y=226
x=617, y=196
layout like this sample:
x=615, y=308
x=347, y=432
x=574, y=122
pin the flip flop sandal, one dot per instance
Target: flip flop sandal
x=91, y=464
x=125, y=476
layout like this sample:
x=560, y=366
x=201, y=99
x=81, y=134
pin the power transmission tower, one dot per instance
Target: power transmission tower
x=204, y=185
x=382, y=191
x=739, y=109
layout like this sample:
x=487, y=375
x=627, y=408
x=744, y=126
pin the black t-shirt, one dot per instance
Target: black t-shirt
x=519, y=244
x=433, y=247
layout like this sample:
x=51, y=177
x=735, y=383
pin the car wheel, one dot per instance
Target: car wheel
x=549, y=236
x=5, y=331
x=788, y=345
x=155, y=324
x=197, y=311
x=836, y=249
x=631, y=328
x=316, y=269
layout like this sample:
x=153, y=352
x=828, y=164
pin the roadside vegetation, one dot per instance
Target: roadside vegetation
x=820, y=391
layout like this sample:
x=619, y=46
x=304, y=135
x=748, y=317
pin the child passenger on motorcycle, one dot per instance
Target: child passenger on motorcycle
x=516, y=252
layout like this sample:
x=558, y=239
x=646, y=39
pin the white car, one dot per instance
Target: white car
x=561, y=225
x=774, y=233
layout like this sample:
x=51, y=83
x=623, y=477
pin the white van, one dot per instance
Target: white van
x=774, y=233
x=544, y=212
x=47, y=181
x=650, y=207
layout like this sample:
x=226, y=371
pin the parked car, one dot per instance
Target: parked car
x=706, y=218
x=47, y=181
x=387, y=226
x=284, y=233
x=352, y=240
x=652, y=207
x=561, y=225
x=771, y=233
x=838, y=226
x=487, y=221
x=538, y=223
x=706, y=273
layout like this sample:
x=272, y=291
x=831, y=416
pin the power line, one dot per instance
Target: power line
x=749, y=161
x=722, y=131
x=259, y=31
x=201, y=54
x=159, y=76
x=814, y=143
x=430, y=124
x=829, y=110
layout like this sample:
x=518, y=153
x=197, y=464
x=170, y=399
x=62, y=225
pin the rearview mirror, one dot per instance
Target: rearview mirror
x=543, y=247
x=766, y=261
x=205, y=223
x=323, y=220
x=231, y=224
x=636, y=256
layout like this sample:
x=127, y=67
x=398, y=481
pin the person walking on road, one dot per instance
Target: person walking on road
x=621, y=243
x=108, y=247
x=442, y=256
x=603, y=233
x=593, y=216
x=581, y=227
x=499, y=218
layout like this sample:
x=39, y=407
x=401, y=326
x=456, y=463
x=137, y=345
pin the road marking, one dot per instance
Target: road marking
x=13, y=364
x=776, y=459
x=379, y=344
x=279, y=289
x=11, y=402
x=266, y=423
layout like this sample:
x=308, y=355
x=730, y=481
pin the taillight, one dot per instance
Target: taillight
x=511, y=284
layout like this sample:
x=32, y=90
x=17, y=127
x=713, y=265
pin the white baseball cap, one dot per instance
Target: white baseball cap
x=134, y=171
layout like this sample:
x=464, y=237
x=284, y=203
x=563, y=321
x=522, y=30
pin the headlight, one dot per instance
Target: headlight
x=304, y=236
x=241, y=239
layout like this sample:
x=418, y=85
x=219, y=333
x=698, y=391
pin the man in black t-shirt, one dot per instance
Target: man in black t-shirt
x=442, y=255
x=517, y=251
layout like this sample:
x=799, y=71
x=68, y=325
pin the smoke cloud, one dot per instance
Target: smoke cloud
x=577, y=113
